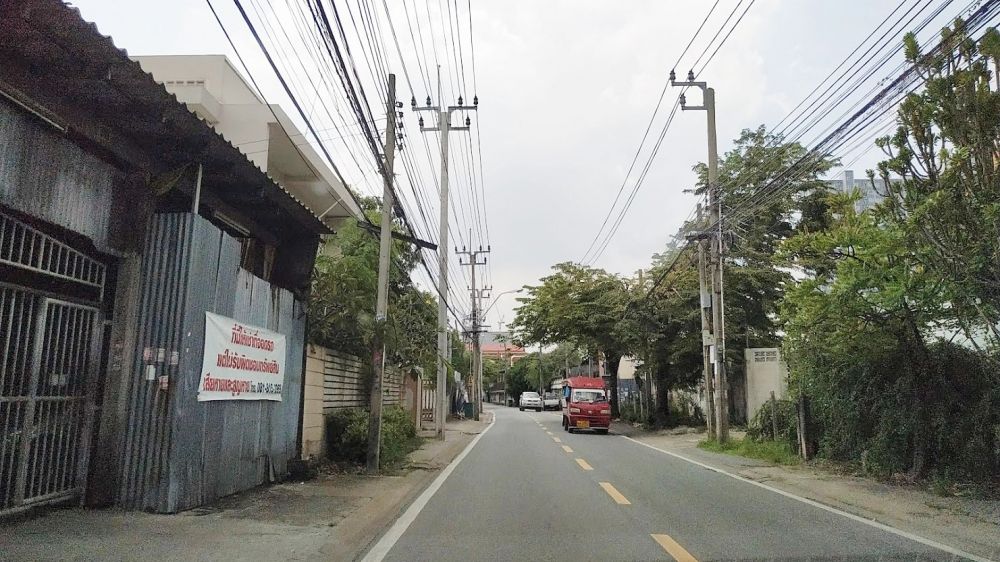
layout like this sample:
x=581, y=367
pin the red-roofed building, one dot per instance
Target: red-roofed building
x=498, y=345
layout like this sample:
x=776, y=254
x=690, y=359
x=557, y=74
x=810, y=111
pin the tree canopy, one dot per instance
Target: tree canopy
x=342, y=299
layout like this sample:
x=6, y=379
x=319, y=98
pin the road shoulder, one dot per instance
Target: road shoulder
x=968, y=524
x=333, y=517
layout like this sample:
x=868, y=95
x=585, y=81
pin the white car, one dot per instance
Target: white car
x=531, y=401
x=551, y=401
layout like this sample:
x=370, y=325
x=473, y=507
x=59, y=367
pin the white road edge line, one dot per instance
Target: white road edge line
x=388, y=540
x=814, y=503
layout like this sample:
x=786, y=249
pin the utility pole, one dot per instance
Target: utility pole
x=541, y=391
x=648, y=388
x=444, y=127
x=483, y=293
x=473, y=256
x=382, y=296
x=715, y=213
x=705, y=303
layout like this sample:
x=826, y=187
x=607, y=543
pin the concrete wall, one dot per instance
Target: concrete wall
x=766, y=372
x=313, y=442
x=335, y=381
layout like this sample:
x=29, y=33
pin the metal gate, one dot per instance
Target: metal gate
x=49, y=351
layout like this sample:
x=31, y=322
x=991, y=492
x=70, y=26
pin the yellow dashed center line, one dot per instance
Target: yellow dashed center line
x=615, y=494
x=583, y=464
x=567, y=449
x=674, y=549
x=557, y=440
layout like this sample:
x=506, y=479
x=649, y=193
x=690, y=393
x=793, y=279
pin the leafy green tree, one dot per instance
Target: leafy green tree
x=664, y=325
x=865, y=329
x=492, y=371
x=342, y=299
x=945, y=151
x=581, y=306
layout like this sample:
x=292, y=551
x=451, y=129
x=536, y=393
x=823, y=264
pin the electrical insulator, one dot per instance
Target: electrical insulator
x=690, y=76
x=475, y=100
x=421, y=121
x=683, y=100
x=428, y=101
x=673, y=75
x=468, y=122
x=459, y=100
x=413, y=101
x=400, y=113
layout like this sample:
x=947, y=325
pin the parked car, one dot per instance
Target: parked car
x=531, y=401
x=551, y=401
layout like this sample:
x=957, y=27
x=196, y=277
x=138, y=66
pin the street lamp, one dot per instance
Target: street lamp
x=496, y=299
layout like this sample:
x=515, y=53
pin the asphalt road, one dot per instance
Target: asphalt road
x=530, y=491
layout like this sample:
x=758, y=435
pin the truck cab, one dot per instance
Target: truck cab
x=586, y=405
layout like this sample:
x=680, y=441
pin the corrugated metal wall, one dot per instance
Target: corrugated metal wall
x=180, y=453
x=49, y=177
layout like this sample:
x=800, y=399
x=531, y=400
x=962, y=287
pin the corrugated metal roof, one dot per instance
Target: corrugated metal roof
x=59, y=59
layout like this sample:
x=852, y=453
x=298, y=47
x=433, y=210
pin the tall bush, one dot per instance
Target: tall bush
x=347, y=436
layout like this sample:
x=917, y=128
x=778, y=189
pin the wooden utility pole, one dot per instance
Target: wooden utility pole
x=382, y=295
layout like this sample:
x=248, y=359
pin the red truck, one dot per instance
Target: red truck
x=586, y=405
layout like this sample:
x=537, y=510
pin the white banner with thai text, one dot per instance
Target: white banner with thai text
x=241, y=362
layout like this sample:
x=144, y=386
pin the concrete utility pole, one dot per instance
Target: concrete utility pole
x=706, y=328
x=382, y=296
x=444, y=127
x=476, y=329
x=541, y=389
x=483, y=293
x=715, y=211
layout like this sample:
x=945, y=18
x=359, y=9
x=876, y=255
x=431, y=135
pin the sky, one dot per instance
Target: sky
x=566, y=90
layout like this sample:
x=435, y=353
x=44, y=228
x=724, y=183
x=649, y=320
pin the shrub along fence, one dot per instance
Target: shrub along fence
x=336, y=382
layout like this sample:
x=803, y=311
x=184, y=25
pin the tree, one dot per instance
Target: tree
x=664, y=325
x=577, y=305
x=342, y=299
x=871, y=330
x=945, y=152
x=766, y=205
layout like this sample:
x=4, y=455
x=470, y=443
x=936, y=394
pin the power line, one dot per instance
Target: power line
x=730, y=32
x=695, y=36
x=604, y=244
x=882, y=103
x=714, y=37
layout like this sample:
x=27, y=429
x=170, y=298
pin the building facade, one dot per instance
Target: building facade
x=498, y=345
x=216, y=92
x=124, y=221
x=869, y=194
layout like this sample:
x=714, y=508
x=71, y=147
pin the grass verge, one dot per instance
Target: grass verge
x=772, y=451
